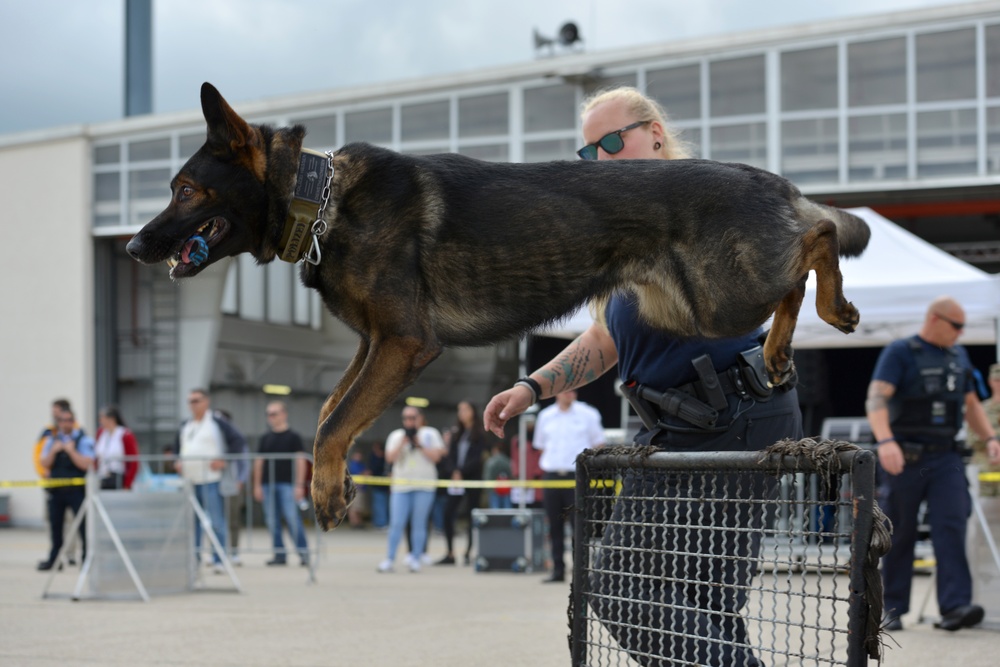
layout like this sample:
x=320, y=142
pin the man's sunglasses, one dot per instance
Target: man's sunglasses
x=957, y=325
x=611, y=142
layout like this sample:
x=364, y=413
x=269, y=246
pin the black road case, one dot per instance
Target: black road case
x=510, y=540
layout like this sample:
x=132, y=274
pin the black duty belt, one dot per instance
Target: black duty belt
x=726, y=380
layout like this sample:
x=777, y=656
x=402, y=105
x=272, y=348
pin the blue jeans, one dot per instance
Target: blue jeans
x=279, y=503
x=211, y=501
x=498, y=502
x=380, y=506
x=412, y=506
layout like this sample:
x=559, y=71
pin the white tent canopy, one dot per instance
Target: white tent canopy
x=891, y=284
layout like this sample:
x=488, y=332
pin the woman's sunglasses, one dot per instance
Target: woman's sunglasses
x=611, y=142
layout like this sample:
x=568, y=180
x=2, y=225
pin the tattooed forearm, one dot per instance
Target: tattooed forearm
x=879, y=393
x=575, y=366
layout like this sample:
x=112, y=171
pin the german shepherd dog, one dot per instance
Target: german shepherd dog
x=425, y=252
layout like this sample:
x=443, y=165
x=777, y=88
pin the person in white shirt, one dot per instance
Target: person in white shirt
x=563, y=430
x=202, y=441
x=413, y=451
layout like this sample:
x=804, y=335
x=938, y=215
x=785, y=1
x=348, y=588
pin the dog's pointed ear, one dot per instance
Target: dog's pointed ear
x=225, y=127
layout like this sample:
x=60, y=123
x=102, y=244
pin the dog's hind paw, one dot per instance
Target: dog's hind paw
x=780, y=372
x=332, y=500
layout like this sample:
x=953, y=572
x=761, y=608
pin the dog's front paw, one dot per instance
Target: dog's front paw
x=331, y=500
x=847, y=318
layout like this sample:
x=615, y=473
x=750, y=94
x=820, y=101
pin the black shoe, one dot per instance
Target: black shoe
x=893, y=624
x=277, y=561
x=554, y=578
x=963, y=617
x=46, y=565
x=447, y=560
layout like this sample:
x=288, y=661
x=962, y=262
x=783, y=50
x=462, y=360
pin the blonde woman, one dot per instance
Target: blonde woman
x=705, y=625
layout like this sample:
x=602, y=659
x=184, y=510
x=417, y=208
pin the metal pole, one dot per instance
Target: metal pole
x=863, y=481
x=578, y=599
x=138, y=57
x=522, y=427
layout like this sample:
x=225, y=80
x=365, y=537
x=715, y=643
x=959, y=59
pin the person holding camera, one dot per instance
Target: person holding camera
x=413, y=451
x=920, y=389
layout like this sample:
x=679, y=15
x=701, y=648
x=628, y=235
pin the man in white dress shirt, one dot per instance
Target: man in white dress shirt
x=202, y=441
x=563, y=430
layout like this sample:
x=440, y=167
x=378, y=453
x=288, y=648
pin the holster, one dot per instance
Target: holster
x=754, y=373
x=672, y=402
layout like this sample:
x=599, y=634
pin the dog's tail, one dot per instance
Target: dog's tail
x=852, y=232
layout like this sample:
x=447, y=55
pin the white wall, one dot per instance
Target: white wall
x=46, y=302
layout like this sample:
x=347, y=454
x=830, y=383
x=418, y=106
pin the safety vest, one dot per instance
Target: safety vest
x=932, y=412
x=63, y=466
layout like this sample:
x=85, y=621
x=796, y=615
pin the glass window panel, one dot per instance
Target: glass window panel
x=608, y=82
x=993, y=140
x=251, y=290
x=321, y=132
x=737, y=86
x=946, y=65
x=550, y=108
x=374, y=126
x=230, y=301
x=107, y=154
x=107, y=187
x=876, y=148
x=946, y=143
x=543, y=151
x=188, y=144
x=876, y=72
x=425, y=121
x=691, y=140
x=279, y=292
x=740, y=143
x=483, y=115
x=426, y=150
x=107, y=220
x=149, y=184
x=677, y=89
x=301, y=312
x=490, y=152
x=156, y=149
x=809, y=150
x=809, y=79
x=993, y=61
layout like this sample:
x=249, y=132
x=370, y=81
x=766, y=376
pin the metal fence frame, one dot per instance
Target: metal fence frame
x=856, y=469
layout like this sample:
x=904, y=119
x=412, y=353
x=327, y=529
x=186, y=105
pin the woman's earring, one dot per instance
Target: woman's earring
x=657, y=146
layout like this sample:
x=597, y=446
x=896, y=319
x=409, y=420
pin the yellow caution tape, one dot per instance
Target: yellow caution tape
x=44, y=483
x=989, y=477
x=484, y=484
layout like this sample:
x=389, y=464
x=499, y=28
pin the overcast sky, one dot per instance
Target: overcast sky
x=61, y=61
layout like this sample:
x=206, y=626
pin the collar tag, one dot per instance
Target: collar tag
x=311, y=177
x=309, y=183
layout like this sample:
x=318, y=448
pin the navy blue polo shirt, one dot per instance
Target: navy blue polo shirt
x=660, y=360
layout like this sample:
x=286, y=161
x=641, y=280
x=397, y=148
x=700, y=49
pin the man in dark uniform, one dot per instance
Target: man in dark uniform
x=920, y=391
x=67, y=454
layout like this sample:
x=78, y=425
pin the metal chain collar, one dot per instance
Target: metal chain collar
x=319, y=226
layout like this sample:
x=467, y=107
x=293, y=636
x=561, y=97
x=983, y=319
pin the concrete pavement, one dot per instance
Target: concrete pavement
x=441, y=617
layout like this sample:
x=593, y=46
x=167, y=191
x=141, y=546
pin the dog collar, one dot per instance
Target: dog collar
x=312, y=190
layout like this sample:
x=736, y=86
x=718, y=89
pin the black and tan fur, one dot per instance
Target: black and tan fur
x=444, y=250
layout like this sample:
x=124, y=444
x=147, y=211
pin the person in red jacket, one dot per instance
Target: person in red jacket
x=114, y=441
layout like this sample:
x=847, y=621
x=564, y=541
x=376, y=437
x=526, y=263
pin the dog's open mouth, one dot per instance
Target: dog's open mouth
x=194, y=253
